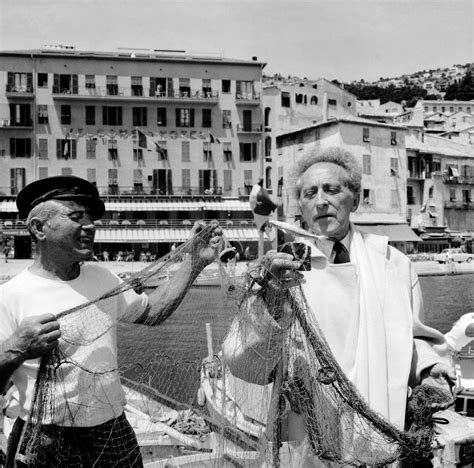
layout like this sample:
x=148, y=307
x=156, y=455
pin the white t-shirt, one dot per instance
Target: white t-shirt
x=90, y=392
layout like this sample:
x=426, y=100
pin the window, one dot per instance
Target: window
x=111, y=85
x=113, y=182
x=113, y=153
x=91, y=144
x=17, y=179
x=66, y=148
x=184, y=87
x=206, y=118
x=366, y=164
x=20, y=115
x=90, y=115
x=268, y=146
x=466, y=196
x=65, y=84
x=42, y=114
x=161, y=116
x=207, y=181
x=184, y=117
x=226, y=86
x=206, y=151
x=20, y=147
x=42, y=80
x=300, y=142
x=452, y=194
x=111, y=115
x=451, y=109
x=42, y=172
x=206, y=87
x=443, y=109
x=244, y=90
x=332, y=102
x=410, y=196
x=367, y=197
x=226, y=119
x=393, y=166
x=66, y=114
x=137, y=181
x=19, y=82
x=435, y=108
x=285, y=99
x=139, y=116
x=317, y=134
x=137, y=88
x=91, y=176
x=227, y=181
x=365, y=135
x=90, y=81
x=248, y=180
x=162, y=150
x=185, y=153
x=314, y=100
x=394, y=198
x=430, y=192
x=248, y=152
x=186, y=180
x=393, y=138
x=42, y=148
x=138, y=154
x=299, y=98
x=227, y=152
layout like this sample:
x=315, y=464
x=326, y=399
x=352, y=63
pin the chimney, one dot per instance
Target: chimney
x=254, y=58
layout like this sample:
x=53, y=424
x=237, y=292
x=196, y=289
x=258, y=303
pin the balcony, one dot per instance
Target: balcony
x=129, y=94
x=247, y=99
x=25, y=124
x=114, y=190
x=254, y=128
x=458, y=180
x=170, y=223
x=459, y=205
x=19, y=91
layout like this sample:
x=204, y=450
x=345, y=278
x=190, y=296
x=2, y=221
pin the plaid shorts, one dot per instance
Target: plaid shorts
x=112, y=444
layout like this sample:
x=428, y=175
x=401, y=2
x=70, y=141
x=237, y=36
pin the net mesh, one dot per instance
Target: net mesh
x=186, y=408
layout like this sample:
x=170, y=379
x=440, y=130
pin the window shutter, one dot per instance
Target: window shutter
x=191, y=124
x=152, y=85
x=10, y=80
x=214, y=178
x=145, y=116
x=12, y=147
x=28, y=148
x=59, y=149
x=178, y=122
x=13, y=186
x=241, y=151
x=170, y=87
x=254, y=151
x=104, y=115
x=29, y=82
x=169, y=181
x=74, y=148
x=75, y=85
x=238, y=88
x=12, y=112
x=119, y=115
x=201, y=178
x=55, y=83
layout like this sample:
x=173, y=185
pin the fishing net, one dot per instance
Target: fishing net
x=185, y=407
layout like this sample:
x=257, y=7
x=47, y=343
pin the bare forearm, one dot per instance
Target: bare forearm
x=168, y=296
x=10, y=359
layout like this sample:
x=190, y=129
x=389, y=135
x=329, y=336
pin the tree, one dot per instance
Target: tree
x=463, y=91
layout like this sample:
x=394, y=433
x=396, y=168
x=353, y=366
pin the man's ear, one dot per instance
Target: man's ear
x=355, y=202
x=36, y=228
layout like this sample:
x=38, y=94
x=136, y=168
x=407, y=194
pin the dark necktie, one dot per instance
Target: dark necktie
x=342, y=255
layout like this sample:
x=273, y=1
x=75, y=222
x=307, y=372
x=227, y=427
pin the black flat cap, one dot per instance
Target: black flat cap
x=60, y=188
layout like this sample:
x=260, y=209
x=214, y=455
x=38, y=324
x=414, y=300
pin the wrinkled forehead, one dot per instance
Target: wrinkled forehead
x=324, y=173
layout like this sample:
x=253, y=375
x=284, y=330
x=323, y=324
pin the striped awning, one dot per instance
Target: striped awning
x=165, y=235
x=9, y=206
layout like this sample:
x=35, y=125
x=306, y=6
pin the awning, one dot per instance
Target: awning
x=132, y=236
x=9, y=206
x=395, y=232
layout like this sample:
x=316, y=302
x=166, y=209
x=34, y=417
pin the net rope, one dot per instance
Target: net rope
x=182, y=399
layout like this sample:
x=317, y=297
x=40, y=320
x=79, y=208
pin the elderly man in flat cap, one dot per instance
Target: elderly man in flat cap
x=60, y=213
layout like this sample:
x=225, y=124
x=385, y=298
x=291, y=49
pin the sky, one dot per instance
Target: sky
x=334, y=39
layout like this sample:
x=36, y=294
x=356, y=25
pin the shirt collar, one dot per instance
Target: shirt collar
x=326, y=245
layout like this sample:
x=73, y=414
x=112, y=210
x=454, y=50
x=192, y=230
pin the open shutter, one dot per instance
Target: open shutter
x=241, y=145
x=214, y=179
x=178, y=123
x=254, y=151
x=55, y=83
x=10, y=81
x=29, y=82
x=75, y=85
x=13, y=187
x=73, y=148
x=152, y=85
x=170, y=87
x=201, y=179
x=59, y=149
x=12, y=148
x=28, y=148
x=169, y=181
x=191, y=120
x=238, y=88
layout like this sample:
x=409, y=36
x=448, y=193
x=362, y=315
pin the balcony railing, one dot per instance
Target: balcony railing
x=8, y=123
x=133, y=94
x=459, y=180
x=19, y=90
x=459, y=205
x=253, y=128
x=160, y=191
x=247, y=98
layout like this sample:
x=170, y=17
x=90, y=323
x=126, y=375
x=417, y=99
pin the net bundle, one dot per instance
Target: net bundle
x=182, y=401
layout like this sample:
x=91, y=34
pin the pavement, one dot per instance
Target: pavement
x=423, y=268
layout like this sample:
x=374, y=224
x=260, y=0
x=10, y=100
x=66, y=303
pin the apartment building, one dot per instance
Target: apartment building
x=432, y=106
x=380, y=149
x=294, y=104
x=164, y=135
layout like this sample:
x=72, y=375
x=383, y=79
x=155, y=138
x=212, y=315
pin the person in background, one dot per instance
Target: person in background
x=60, y=213
x=6, y=251
x=105, y=255
x=364, y=295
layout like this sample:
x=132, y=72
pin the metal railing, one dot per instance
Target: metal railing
x=140, y=191
x=459, y=205
x=250, y=128
x=458, y=180
x=19, y=89
x=247, y=96
x=8, y=123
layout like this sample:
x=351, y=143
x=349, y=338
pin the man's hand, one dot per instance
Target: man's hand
x=34, y=337
x=441, y=376
x=280, y=270
x=207, y=243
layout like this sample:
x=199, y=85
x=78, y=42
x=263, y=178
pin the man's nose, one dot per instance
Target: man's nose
x=321, y=199
x=88, y=223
